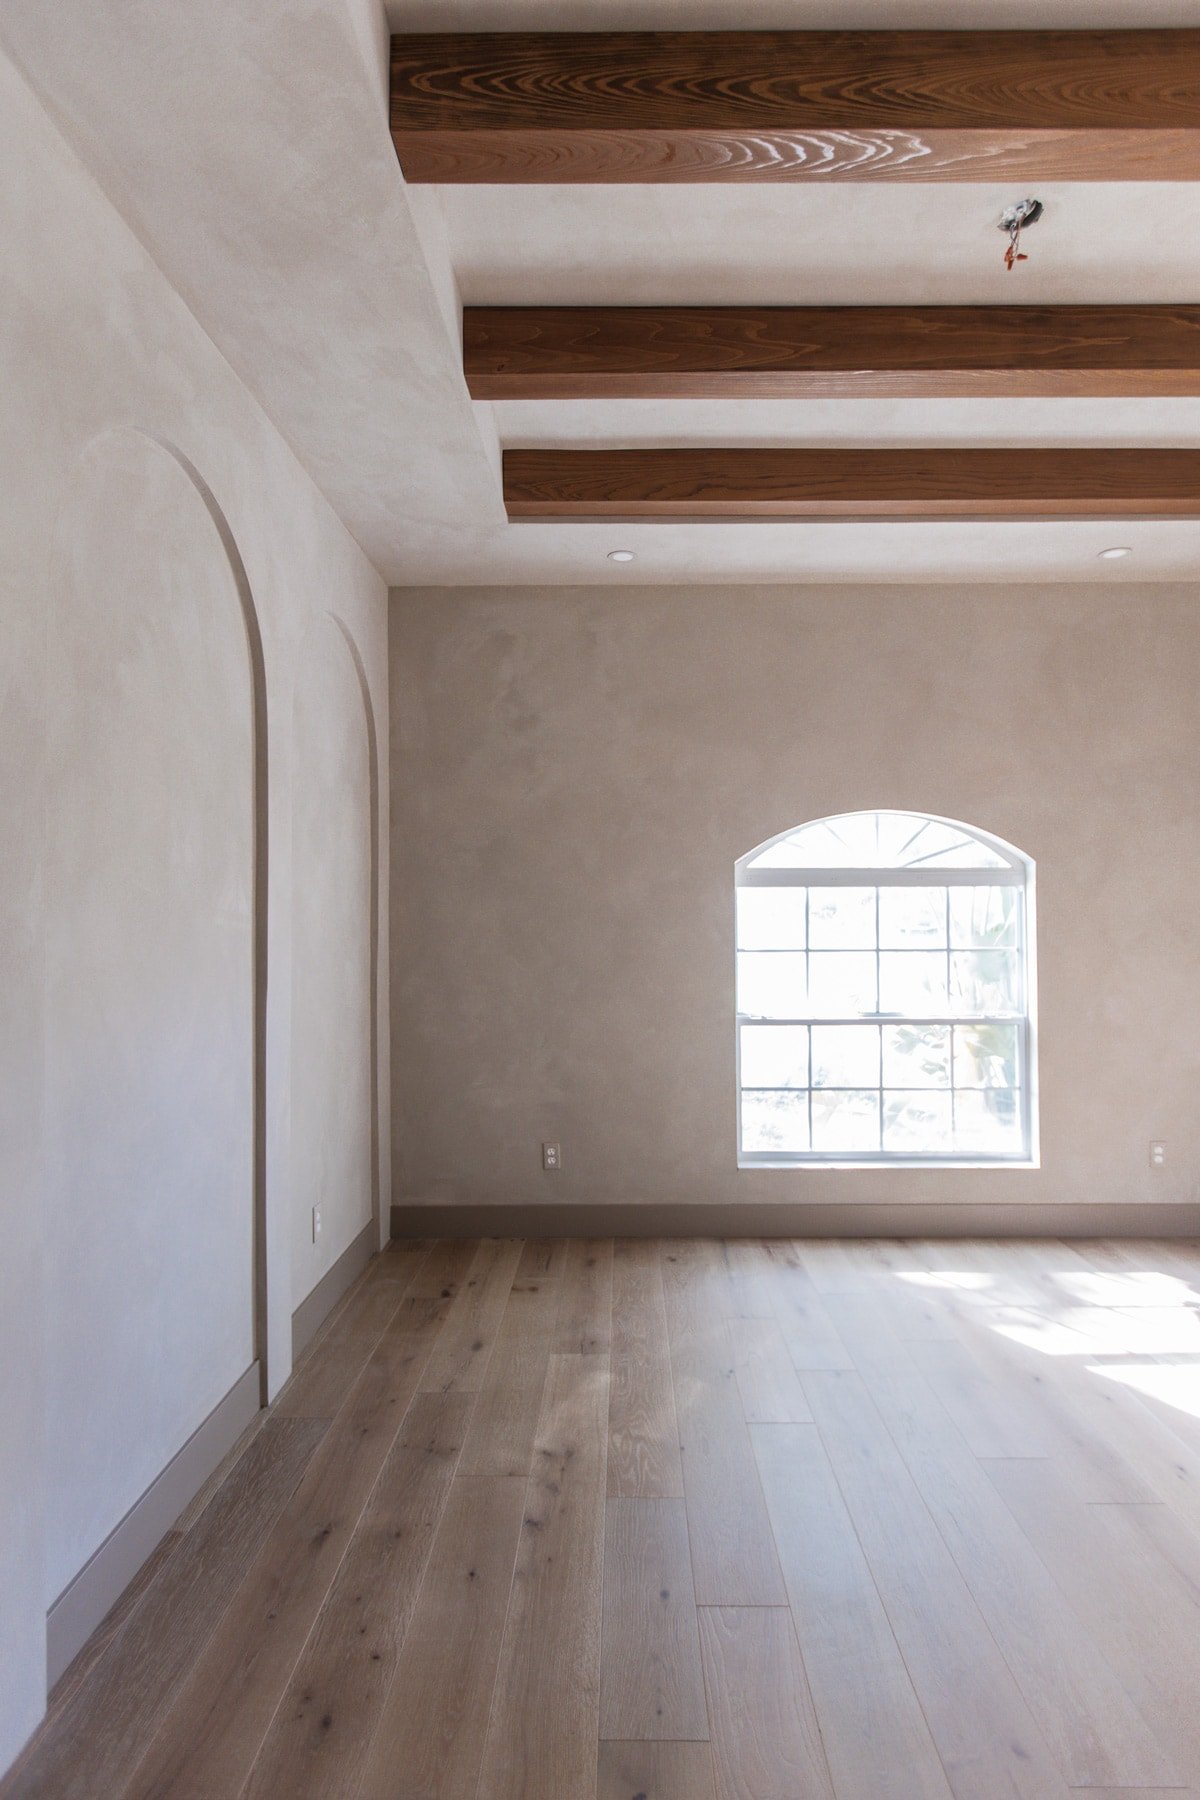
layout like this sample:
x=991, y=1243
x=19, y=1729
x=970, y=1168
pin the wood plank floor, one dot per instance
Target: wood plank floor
x=686, y=1521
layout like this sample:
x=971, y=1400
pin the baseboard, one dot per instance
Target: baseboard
x=750, y=1219
x=109, y=1570
x=315, y=1308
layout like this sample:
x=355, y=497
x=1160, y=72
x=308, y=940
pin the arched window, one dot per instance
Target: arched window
x=884, y=980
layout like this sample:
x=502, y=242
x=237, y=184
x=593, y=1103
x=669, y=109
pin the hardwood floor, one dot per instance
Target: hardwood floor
x=686, y=1521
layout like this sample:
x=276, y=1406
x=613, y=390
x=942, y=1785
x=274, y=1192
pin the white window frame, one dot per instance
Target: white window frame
x=1018, y=871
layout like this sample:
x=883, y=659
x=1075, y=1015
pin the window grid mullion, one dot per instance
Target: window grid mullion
x=879, y=1000
x=949, y=967
x=888, y=1019
x=808, y=997
x=927, y=877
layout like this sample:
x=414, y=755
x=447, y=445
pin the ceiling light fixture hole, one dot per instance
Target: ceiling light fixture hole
x=1014, y=220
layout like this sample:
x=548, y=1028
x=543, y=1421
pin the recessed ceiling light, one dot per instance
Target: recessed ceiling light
x=1117, y=550
x=620, y=556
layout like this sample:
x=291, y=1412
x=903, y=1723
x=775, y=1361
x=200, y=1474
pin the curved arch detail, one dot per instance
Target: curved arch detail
x=884, y=838
x=155, y=973
x=260, y=872
x=364, y=688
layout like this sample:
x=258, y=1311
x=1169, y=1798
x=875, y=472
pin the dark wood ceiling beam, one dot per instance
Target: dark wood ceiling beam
x=852, y=484
x=778, y=106
x=831, y=352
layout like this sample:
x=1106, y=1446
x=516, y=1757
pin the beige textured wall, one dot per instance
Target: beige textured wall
x=575, y=772
x=149, y=985
x=331, y=957
x=147, y=509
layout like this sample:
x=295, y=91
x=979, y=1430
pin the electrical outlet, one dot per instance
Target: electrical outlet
x=552, y=1156
x=1158, y=1154
x=316, y=1223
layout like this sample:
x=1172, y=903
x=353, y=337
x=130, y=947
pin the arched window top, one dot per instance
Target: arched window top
x=882, y=841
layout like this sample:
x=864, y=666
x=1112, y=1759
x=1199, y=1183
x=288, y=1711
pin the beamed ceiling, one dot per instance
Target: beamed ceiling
x=681, y=107
x=734, y=290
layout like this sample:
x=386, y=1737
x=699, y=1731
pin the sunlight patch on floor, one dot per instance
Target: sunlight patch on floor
x=959, y=1280
x=1149, y=1287
x=1175, y=1385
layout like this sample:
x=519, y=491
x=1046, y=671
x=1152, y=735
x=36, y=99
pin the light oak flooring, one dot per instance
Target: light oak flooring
x=686, y=1521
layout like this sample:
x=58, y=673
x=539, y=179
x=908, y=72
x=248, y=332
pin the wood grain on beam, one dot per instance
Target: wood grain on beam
x=852, y=484
x=775, y=106
x=858, y=352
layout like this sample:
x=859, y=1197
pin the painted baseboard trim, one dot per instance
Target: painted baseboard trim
x=110, y=1569
x=316, y=1307
x=780, y=1219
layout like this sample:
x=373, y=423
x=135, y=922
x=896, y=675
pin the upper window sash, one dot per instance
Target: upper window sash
x=865, y=878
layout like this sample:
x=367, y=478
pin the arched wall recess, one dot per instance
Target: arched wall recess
x=157, y=858
x=364, y=688
x=335, y=872
x=258, y=691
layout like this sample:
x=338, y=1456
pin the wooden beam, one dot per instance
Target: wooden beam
x=779, y=105
x=852, y=484
x=830, y=352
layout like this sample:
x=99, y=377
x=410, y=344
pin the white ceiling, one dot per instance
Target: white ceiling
x=782, y=15
x=913, y=243
x=247, y=145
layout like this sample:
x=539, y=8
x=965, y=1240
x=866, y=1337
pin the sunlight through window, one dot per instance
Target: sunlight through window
x=884, y=980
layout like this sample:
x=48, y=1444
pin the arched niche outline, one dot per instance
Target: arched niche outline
x=256, y=668
x=333, y=686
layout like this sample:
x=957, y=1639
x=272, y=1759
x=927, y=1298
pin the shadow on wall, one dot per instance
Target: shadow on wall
x=156, y=979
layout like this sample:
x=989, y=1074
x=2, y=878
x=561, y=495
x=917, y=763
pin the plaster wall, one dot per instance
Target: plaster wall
x=576, y=772
x=149, y=986
x=331, y=963
x=149, y=511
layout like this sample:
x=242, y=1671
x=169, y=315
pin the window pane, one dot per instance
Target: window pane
x=905, y=836
x=774, y=1122
x=841, y=983
x=912, y=981
x=821, y=846
x=988, y=1123
x=912, y=918
x=850, y=841
x=927, y=843
x=845, y=1121
x=770, y=918
x=917, y=1124
x=916, y=1056
x=775, y=1056
x=985, y=1056
x=845, y=1056
x=841, y=918
x=881, y=1019
x=771, y=986
x=984, y=915
x=983, y=981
